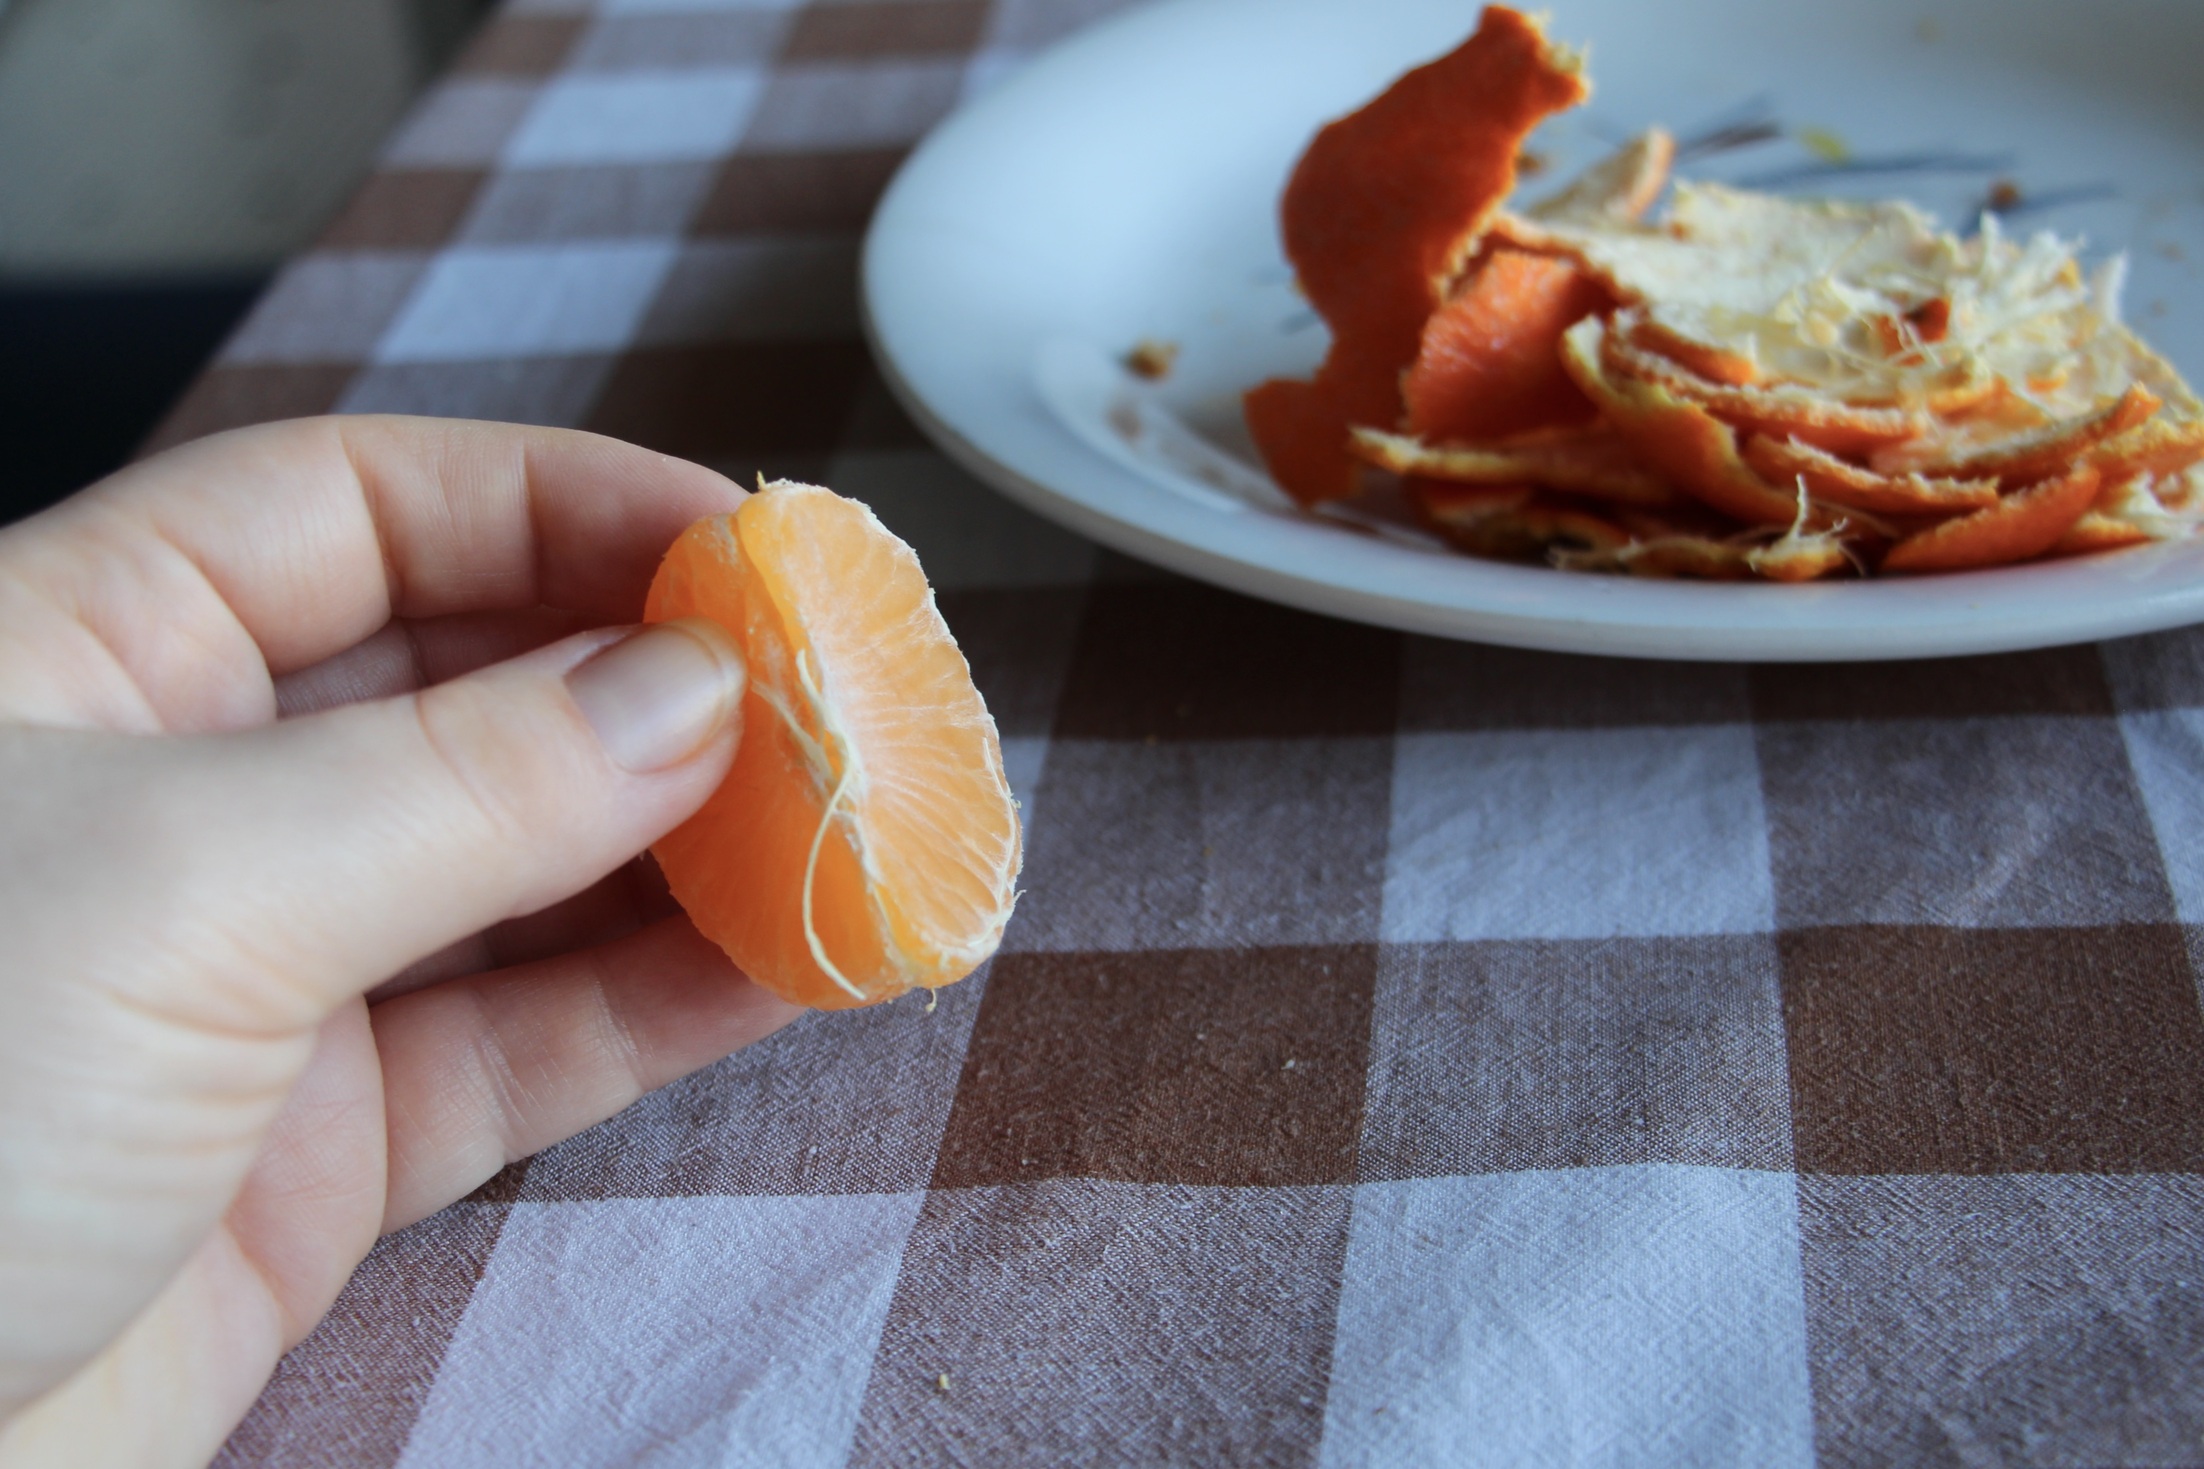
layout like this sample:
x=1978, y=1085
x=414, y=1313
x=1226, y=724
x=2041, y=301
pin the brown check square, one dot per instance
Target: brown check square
x=2162, y=671
x=682, y=39
x=1017, y=641
x=588, y=202
x=404, y=209
x=1228, y=1067
x=347, y=1396
x=1026, y=25
x=1501, y=1057
x=767, y=193
x=2011, y=822
x=549, y=390
x=860, y=102
x=877, y=422
x=228, y=396
x=2022, y=1320
x=740, y=406
x=898, y=28
x=1171, y=660
x=1966, y=1051
x=1448, y=685
x=1206, y=844
x=2047, y=681
x=836, y=1104
x=521, y=45
x=1078, y=1321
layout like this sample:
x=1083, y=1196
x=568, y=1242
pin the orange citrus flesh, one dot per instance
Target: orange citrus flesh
x=1490, y=363
x=865, y=842
x=1381, y=213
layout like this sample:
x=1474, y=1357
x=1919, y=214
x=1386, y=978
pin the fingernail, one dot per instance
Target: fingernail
x=660, y=696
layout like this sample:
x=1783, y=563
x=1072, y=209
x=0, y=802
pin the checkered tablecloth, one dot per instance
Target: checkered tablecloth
x=1406, y=1052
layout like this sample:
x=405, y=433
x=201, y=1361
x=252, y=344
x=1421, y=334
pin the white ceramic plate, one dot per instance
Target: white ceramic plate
x=1124, y=188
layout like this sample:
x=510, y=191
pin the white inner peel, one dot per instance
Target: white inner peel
x=1795, y=286
x=821, y=766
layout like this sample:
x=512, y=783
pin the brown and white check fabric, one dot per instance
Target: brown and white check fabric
x=1405, y=1053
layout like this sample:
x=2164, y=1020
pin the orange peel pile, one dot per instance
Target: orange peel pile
x=1738, y=386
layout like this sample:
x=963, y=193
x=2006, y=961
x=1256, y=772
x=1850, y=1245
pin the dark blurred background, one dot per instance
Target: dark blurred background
x=158, y=160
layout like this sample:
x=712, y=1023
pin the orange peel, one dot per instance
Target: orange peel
x=2023, y=525
x=1745, y=385
x=1489, y=366
x=2097, y=531
x=1596, y=464
x=1780, y=412
x=1679, y=438
x=1619, y=189
x=2031, y=456
x=1513, y=522
x=1840, y=482
x=1717, y=365
x=1383, y=211
x=2160, y=447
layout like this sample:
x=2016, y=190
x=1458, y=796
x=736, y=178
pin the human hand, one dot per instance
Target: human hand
x=204, y=1123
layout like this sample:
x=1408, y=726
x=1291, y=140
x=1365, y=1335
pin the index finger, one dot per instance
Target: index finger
x=316, y=532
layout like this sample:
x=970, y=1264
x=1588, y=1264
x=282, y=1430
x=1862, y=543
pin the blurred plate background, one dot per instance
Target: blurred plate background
x=1124, y=189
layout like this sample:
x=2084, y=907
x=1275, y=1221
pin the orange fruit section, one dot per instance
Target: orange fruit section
x=865, y=842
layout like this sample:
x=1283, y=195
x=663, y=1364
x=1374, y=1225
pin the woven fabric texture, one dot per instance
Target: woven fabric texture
x=1406, y=1052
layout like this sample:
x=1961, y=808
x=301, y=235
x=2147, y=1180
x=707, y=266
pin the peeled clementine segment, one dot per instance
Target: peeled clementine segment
x=2025, y=523
x=1384, y=210
x=1595, y=463
x=1778, y=411
x=865, y=841
x=2033, y=455
x=1489, y=366
x=1840, y=482
x=1616, y=190
x=1694, y=449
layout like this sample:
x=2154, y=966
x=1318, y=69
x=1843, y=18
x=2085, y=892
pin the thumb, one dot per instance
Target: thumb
x=335, y=849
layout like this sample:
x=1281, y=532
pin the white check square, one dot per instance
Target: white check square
x=1598, y=1316
x=2166, y=750
x=1560, y=834
x=648, y=117
x=528, y=301
x=669, y=1331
